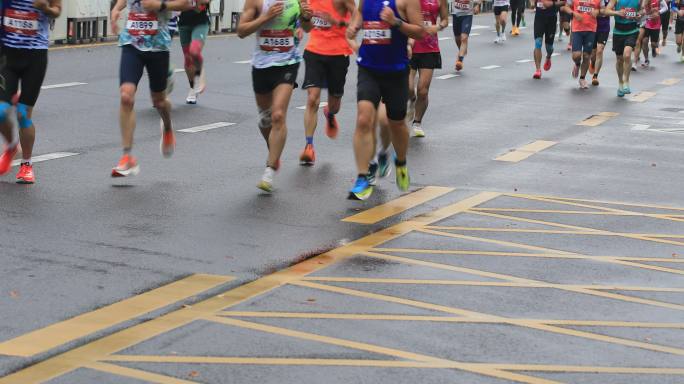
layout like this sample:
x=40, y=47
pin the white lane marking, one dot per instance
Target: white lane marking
x=243, y=62
x=322, y=104
x=65, y=85
x=444, y=38
x=474, y=34
x=178, y=70
x=681, y=122
x=491, y=67
x=201, y=128
x=640, y=127
x=479, y=27
x=447, y=76
x=524, y=61
x=46, y=157
x=555, y=54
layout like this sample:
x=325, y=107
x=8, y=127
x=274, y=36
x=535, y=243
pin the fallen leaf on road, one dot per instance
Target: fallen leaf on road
x=14, y=294
x=311, y=300
x=193, y=374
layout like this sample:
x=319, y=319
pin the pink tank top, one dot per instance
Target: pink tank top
x=653, y=22
x=429, y=43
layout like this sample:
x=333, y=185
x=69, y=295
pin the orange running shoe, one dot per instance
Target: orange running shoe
x=6, y=159
x=168, y=141
x=308, y=156
x=547, y=64
x=537, y=74
x=128, y=166
x=459, y=65
x=331, y=127
x=25, y=174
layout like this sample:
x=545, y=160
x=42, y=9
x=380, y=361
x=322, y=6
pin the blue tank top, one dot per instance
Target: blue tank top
x=25, y=26
x=384, y=47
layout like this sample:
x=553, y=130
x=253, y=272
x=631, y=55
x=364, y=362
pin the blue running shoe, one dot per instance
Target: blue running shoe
x=384, y=168
x=620, y=92
x=372, y=171
x=626, y=90
x=362, y=189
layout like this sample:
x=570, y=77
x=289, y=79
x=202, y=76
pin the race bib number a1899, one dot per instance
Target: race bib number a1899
x=376, y=33
x=21, y=22
x=142, y=24
x=462, y=4
x=276, y=41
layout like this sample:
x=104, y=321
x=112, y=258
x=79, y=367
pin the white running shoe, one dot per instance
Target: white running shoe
x=418, y=131
x=503, y=37
x=266, y=183
x=497, y=40
x=192, y=97
x=583, y=84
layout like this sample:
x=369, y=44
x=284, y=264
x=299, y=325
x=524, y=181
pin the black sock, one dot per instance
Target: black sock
x=127, y=151
x=362, y=176
x=399, y=163
x=582, y=77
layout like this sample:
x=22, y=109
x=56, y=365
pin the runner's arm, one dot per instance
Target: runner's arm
x=116, y=13
x=353, y=10
x=166, y=5
x=356, y=23
x=251, y=19
x=664, y=7
x=51, y=8
x=305, y=16
x=610, y=9
x=414, y=28
x=567, y=7
x=443, y=14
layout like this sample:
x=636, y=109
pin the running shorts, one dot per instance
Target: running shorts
x=545, y=26
x=27, y=66
x=265, y=80
x=189, y=33
x=390, y=87
x=133, y=61
x=462, y=24
x=427, y=60
x=326, y=72
x=583, y=41
x=653, y=34
x=498, y=10
x=679, y=26
x=622, y=41
x=601, y=38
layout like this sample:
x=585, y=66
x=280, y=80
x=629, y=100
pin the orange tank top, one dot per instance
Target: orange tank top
x=327, y=37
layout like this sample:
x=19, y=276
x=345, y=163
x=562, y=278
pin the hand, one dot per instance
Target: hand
x=275, y=11
x=41, y=5
x=577, y=16
x=151, y=5
x=352, y=31
x=622, y=12
x=114, y=20
x=306, y=11
x=299, y=33
x=476, y=9
x=387, y=15
x=432, y=30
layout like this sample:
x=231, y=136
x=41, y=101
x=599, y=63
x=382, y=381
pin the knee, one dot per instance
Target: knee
x=313, y=101
x=127, y=96
x=423, y=92
x=278, y=118
x=159, y=102
x=196, y=49
x=538, y=43
x=24, y=116
x=549, y=48
x=265, y=120
x=364, y=123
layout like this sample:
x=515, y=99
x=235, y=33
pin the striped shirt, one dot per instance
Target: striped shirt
x=25, y=26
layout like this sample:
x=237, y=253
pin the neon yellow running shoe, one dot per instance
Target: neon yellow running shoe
x=403, y=179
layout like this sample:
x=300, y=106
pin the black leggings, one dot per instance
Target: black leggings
x=517, y=10
x=665, y=22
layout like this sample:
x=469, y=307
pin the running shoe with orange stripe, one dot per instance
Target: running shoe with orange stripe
x=6, y=159
x=331, y=127
x=308, y=156
x=128, y=166
x=25, y=174
x=167, y=144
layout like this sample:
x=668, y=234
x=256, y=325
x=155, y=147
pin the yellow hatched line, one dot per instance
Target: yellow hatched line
x=137, y=374
x=588, y=231
x=554, y=211
x=486, y=283
x=75, y=328
x=526, y=151
x=566, y=200
x=642, y=96
x=671, y=81
x=586, y=369
x=445, y=319
x=101, y=348
x=484, y=316
x=483, y=370
x=596, y=120
x=397, y=206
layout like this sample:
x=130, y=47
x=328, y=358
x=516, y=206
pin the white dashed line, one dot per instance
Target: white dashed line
x=524, y=61
x=444, y=38
x=178, y=70
x=322, y=104
x=491, y=67
x=46, y=157
x=447, y=76
x=479, y=27
x=474, y=34
x=243, y=62
x=65, y=85
x=202, y=128
x=640, y=127
x=555, y=54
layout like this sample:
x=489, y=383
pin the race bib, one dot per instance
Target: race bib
x=376, y=33
x=21, y=22
x=462, y=4
x=540, y=5
x=584, y=9
x=631, y=13
x=276, y=41
x=427, y=23
x=142, y=24
x=320, y=21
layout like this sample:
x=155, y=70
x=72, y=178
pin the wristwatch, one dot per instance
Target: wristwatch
x=398, y=23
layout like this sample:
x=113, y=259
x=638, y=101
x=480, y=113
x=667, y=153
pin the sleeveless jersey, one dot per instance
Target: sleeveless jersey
x=626, y=25
x=652, y=22
x=196, y=16
x=462, y=7
x=276, y=41
x=429, y=43
x=146, y=30
x=588, y=22
x=603, y=22
x=25, y=26
x=325, y=38
x=384, y=46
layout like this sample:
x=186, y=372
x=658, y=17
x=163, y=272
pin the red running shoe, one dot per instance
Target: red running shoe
x=25, y=174
x=331, y=127
x=547, y=64
x=6, y=159
x=128, y=166
x=537, y=74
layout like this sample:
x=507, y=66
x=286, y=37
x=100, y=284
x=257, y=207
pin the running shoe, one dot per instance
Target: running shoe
x=547, y=64
x=266, y=183
x=583, y=84
x=503, y=37
x=418, y=131
x=537, y=74
x=626, y=90
x=634, y=68
x=167, y=144
x=362, y=190
x=372, y=172
x=331, y=126
x=575, y=71
x=621, y=92
x=402, y=177
x=128, y=166
x=308, y=156
x=384, y=168
x=646, y=63
x=497, y=40
x=679, y=49
x=595, y=80
x=6, y=159
x=192, y=97
x=459, y=65
x=25, y=174
x=411, y=112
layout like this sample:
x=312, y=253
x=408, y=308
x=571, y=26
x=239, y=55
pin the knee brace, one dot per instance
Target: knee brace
x=538, y=43
x=4, y=107
x=265, y=118
x=549, y=49
x=196, y=51
x=22, y=116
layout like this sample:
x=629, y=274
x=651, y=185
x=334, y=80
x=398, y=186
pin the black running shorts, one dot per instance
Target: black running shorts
x=545, y=26
x=326, y=72
x=622, y=41
x=428, y=60
x=390, y=87
x=265, y=80
x=27, y=66
x=134, y=61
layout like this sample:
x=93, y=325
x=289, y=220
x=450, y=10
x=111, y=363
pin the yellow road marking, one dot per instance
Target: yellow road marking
x=566, y=200
x=445, y=319
x=75, y=328
x=672, y=81
x=526, y=151
x=588, y=232
x=596, y=120
x=101, y=348
x=554, y=211
x=642, y=96
x=137, y=374
x=396, y=206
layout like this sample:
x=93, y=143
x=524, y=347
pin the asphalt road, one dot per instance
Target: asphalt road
x=77, y=240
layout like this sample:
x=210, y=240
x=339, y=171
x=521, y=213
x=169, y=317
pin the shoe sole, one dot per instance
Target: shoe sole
x=131, y=172
x=305, y=163
x=190, y=102
x=22, y=181
x=360, y=196
x=265, y=187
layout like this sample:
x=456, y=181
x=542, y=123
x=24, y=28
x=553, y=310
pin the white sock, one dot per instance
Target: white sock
x=27, y=161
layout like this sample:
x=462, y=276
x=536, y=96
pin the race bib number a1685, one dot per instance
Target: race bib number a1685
x=276, y=41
